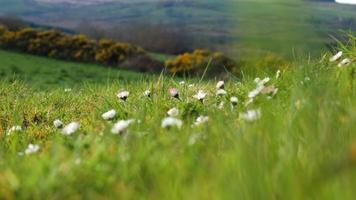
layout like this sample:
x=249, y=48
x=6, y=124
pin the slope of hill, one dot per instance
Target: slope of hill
x=40, y=72
x=276, y=25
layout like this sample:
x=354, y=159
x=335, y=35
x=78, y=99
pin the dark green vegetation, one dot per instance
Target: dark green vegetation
x=303, y=146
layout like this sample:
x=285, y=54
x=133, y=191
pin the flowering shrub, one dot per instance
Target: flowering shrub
x=196, y=62
x=59, y=45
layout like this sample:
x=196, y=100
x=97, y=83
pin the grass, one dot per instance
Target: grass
x=287, y=27
x=40, y=72
x=302, y=147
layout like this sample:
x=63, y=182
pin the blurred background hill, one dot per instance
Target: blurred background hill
x=238, y=28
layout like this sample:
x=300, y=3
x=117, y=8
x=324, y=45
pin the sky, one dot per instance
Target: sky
x=346, y=1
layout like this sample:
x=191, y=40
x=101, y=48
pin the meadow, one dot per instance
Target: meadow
x=289, y=134
x=45, y=73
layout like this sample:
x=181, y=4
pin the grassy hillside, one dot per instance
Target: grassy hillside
x=299, y=143
x=236, y=26
x=289, y=27
x=40, y=72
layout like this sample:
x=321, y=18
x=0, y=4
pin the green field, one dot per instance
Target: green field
x=40, y=72
x=301, y=145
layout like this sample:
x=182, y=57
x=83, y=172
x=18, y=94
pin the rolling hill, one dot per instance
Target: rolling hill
x=247, y=26
x=44, y=73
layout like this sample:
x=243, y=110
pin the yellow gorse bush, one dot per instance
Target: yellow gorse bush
x=55, y=44
x=199, y=60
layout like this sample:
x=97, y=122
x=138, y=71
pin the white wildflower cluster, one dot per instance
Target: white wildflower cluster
x=69, y=129
x=172, y=120
x=14, y=129
x=32, y=148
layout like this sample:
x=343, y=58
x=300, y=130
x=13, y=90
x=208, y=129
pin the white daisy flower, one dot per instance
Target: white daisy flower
x=14, y=129
x=170, y=122
x=251, y=115
x=220, y=85
x=173, y=112
x=182, y=83
x=147, y=93
x=174, y=93
x=201, y=120
x=234, y=101
x=70, y=128
x=58, y=123
x=336, y=57
x=344, y=62
x=123, y=95
x=221, y=92
x=121, y=126
x=31, y=149
x=109, y=115
x=200, y=95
